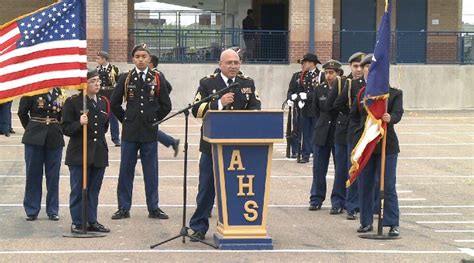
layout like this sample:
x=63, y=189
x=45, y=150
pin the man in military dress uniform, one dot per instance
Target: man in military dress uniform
x=310, y=81
x=294, y=88
x=147, y=101
x=244, y=97
x=97, y=120
x=342, y=101
x=323, y=137
x=43, y=138
x=369, y=178
x=108, y=75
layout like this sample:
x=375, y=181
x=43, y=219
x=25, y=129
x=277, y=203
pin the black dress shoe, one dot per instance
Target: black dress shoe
x=176, y=147
x=53, y=217
x=351, y=215
x=158, y=213
x=394, y=231
x=303, y=161
x=196, y=236
x=31, y=218
x=293, y=156
x=12, y=131
x=314, y=207
x=365, y=229
x=336, y=211
x=97, y=227
x=7, y=134
x=76, y=229
x=121, y=214
x=117, y=143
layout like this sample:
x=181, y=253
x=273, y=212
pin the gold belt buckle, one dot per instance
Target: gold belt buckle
x=47, y=120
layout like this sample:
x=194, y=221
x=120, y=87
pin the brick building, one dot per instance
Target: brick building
x=426, y=30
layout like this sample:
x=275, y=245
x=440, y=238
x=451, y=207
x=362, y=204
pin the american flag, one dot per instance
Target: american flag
x=375, y=98
x=44, y=49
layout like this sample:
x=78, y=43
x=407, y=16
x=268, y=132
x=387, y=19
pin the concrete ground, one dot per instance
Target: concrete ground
x=435, y=185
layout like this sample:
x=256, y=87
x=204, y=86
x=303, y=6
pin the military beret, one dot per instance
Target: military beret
x=103, y=54
x=92, y=73
x=140, y=47
x=332, y=64
x=356, y=57
x=367, y=59
x=311, y=58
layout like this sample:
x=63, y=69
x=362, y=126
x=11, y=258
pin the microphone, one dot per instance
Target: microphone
x=230, y=88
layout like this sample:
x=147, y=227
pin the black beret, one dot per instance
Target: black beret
x=140, y=47
x=92, y=73
x=356, y=57
x=366, y=60
x=103, y=54
x=332, y=64
x=311, y=58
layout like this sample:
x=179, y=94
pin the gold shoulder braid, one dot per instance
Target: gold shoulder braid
x=339, y=88
x=127, y=80
x=349, y=92
x=113, y=75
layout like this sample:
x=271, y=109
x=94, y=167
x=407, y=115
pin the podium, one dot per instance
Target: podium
x=242, y=148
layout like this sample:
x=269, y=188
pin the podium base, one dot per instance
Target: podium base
x=243, y=243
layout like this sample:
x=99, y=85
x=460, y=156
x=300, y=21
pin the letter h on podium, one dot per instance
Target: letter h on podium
x=242, y=157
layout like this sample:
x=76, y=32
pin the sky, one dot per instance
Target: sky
x=468, y=11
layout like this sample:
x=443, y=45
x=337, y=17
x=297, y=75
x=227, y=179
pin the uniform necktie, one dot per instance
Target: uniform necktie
x=141, y=74
x=229, y=82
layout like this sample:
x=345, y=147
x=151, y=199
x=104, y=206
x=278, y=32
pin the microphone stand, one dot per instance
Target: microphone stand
x=184, y=229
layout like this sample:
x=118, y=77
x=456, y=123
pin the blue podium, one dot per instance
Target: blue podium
x=242, y=148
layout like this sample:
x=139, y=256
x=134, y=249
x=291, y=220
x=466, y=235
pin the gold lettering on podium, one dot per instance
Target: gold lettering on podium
x=236, y=160
x=252, y=213
x=243, y=185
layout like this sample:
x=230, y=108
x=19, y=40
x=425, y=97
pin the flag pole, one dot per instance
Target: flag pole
x=84, y=164
x=382, y=183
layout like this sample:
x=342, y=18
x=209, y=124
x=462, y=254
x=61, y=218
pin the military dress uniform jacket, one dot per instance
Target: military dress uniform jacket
x=147, y=101
x=97, y=150
x=344, y=90
x=295, y=86
x=245, y=98
x=325, y=126
x=108, y=79
x=395, y=109
x=310, y=82
x=40, y=116
x=343, y=104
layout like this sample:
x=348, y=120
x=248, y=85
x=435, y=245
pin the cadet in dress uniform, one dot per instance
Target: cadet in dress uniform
x=369, y=177
x=311, y=80
x=164, y=138
x=108, y=75
x=244, y=97
x=342, y=139
x=97, y=120
x=147, y=102
x=43, y=138
x=295, y=87
x=324, y=136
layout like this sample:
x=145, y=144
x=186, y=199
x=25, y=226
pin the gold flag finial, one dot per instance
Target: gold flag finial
x=386, y=6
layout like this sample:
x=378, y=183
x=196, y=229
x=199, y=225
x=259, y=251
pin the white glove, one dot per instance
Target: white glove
x=294, y=96
x=290, y=103
x=300, y=104
x=303, y=95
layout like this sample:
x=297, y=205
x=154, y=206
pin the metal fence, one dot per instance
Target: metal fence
x=201, y=46
x=410, y=47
